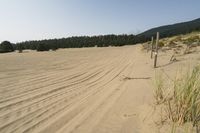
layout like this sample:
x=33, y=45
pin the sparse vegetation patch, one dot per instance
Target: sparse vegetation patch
x=180, y=99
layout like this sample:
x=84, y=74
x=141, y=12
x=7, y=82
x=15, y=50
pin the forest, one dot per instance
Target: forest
x=78, y=42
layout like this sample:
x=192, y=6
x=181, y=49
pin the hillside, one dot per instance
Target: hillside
x=171, y=30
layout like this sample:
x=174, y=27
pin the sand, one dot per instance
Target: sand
x=86, y=90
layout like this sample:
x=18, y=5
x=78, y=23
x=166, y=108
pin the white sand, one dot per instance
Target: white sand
x=81, y=90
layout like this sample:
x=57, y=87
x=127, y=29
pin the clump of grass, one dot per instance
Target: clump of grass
x=186, y=128
x=161, y=44
x=183, y=104
x=144, y=46
x=190, y=40
x=159, y=89
x=178, y=39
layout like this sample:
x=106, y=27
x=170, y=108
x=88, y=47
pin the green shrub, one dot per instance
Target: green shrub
x=6, y=46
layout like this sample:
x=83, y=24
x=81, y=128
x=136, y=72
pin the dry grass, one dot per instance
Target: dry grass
x=183, y=103
x=146, y=47
x=191, y=39
x=184, y=106
x=158, y=89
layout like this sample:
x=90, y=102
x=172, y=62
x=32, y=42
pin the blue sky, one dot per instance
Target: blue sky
x=43, y=19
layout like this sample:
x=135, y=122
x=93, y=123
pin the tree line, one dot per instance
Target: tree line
x=79, y=42
x=73, y=42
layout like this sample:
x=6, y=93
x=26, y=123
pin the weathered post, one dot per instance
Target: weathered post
x=156, y=51
x=151, y=47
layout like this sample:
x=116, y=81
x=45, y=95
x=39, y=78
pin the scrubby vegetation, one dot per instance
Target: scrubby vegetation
x=180, y=45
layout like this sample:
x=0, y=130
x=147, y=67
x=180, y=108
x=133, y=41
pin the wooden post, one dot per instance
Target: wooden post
x=156, y=51
x=151, y=47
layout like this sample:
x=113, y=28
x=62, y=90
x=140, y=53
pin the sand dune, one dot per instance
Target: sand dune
x=101, y=90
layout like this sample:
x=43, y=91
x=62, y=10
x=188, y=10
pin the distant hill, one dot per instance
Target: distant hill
x=171, y=30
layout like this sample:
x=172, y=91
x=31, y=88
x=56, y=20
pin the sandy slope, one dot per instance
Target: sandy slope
x=101, y=90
